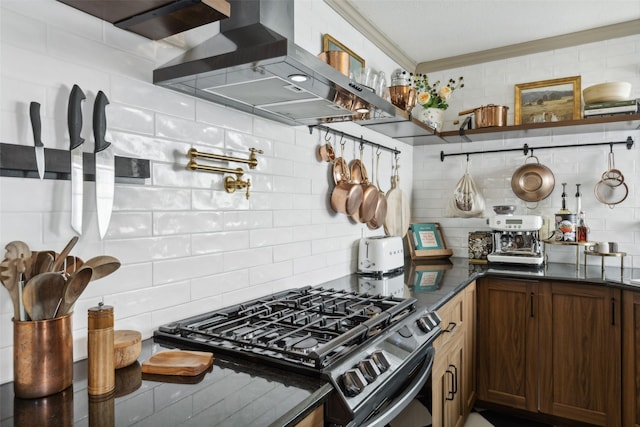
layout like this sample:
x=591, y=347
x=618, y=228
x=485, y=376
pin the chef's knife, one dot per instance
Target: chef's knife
x=105, y=165
x=34, y=112
x=74, y=120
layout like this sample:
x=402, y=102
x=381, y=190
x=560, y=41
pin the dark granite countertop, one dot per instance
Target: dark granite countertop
x=243, y=394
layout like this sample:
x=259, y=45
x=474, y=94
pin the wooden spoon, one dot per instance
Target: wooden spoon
x=103, y=265
x=42, y=294
x=73, y=264
x=57, y=264
x=77, y=283
x=43, y=262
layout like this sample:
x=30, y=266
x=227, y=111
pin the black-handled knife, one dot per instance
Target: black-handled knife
x=74, y=116
x=74, y=121
x=100, y=122
x=105, y=165
x=36, y=125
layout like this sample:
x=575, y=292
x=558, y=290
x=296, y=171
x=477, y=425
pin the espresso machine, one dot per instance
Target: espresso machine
x=516, y=239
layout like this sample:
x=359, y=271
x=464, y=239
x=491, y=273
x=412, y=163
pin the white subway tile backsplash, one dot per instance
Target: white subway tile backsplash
x=139, y=93
x=204, y=243
x=291, y=251
x=248, y=220
x=165, y=223
x=218, y=284
x=218, y=198
x=270, y=237
x=173, y=270
x=234, y=260
x=270, y=272
x=187, y=130
x=149, y=248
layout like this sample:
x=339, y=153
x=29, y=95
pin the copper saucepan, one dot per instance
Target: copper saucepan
x=381, y=203
x=369, y=191
x=346, y=196
x=488, y=115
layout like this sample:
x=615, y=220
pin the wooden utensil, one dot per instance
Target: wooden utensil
x=42, y=294
x=102, y=265
x=73, y=264
x=178, y=362
x=17, y=260
x=62, y=256
x=75, y=285
x=43, y=262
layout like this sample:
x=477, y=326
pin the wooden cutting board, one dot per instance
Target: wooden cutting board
x=178, y=362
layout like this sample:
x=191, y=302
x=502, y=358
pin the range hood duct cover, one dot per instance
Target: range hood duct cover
x=249, y=64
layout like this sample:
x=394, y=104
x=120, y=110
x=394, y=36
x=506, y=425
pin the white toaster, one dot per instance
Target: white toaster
x=380, y=255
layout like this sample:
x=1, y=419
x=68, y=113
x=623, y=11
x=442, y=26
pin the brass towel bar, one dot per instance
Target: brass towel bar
x=231, y=184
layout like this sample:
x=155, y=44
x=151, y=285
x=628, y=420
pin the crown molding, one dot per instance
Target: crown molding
x=360, y=23
x=345, y=9
x=536, y=46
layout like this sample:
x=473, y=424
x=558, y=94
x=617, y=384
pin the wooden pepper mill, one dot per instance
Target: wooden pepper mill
x=100, y=350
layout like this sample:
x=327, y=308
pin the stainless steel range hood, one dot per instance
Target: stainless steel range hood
x=254, y=66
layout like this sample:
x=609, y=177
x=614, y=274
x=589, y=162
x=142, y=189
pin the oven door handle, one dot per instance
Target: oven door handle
x=398, y=404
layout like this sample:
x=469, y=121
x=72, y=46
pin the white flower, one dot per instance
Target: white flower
x=423, y=98
x=445, y=92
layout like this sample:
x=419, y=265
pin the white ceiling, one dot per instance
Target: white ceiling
x=433, y=30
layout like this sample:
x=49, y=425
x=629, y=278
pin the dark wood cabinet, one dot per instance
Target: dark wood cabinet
x=550, y=347
x=631, y=359
x=155, y=19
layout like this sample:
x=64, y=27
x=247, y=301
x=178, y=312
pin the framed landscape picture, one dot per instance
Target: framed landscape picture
x=548, y=101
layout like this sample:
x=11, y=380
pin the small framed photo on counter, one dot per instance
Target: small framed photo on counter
x=426, y=241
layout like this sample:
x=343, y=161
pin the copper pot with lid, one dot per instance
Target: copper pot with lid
x=488, y=115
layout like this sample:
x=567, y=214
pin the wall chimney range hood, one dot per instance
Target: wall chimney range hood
x=253, y=65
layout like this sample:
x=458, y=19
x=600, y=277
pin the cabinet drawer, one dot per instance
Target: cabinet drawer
x=452, y=315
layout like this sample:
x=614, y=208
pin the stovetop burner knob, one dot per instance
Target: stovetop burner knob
x=353, y=382
x=428, y=322
x=380, y=360
x=369, y=369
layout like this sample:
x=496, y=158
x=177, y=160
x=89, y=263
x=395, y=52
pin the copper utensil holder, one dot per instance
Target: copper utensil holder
x=42, y=356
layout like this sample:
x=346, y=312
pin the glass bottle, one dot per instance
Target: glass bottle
x=582, y=229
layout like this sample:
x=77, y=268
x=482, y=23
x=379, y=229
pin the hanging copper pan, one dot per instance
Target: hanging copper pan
x=532, y=182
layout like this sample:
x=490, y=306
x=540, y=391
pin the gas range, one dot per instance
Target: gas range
x=365, y=344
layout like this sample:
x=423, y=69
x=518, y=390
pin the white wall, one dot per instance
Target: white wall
x=186, y=246
x=493, y=83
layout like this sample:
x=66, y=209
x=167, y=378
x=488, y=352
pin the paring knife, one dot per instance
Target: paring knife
x=105, y=165
x=74, y=121
x=34, y=112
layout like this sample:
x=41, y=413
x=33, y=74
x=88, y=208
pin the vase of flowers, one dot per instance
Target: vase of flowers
x=432, y=99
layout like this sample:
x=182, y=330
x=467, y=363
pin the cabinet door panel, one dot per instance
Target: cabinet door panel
x=631, y=359
x=580, y=345
x=507, y=373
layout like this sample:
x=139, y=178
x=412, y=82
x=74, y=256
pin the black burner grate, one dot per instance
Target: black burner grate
x=309, y=326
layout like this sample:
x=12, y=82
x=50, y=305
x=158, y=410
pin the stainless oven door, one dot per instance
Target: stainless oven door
x=392, y=406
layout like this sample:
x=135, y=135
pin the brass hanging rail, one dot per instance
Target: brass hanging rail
x=525, y=149
x=327, y=129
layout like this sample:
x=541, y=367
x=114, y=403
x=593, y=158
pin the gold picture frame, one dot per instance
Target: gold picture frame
x=547, y=101
x=356, y=62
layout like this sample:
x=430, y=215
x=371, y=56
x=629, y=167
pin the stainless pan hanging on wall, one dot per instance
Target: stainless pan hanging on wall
x=532, y=182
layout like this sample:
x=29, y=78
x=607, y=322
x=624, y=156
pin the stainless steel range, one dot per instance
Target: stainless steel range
x=376, y=350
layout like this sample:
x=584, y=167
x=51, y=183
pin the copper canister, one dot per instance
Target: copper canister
x=100, y=365
x=42, y=356
x=337, y=59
